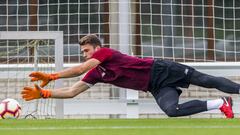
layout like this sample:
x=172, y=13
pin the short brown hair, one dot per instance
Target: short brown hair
x=90, y=39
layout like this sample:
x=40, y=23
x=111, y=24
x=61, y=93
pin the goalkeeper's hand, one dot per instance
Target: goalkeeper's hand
x=29, y=93
x=46, y=78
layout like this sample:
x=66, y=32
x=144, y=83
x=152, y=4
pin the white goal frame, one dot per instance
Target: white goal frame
x=57, y=36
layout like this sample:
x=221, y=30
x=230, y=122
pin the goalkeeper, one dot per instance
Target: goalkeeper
x=160, y=77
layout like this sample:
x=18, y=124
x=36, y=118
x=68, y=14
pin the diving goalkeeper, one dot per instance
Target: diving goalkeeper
x=160, y=77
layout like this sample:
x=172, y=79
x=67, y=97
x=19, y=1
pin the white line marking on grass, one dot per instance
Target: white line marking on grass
x=120, y=127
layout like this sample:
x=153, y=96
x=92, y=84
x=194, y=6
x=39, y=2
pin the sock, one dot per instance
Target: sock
x=214, y=104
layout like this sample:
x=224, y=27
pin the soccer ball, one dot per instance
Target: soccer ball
x=9, y=109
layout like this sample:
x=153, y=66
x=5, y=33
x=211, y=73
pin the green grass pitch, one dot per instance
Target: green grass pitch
x=170, y=126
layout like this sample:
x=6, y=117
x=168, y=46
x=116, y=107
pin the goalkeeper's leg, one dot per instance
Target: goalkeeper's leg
x=220, y=83
x=167, y=99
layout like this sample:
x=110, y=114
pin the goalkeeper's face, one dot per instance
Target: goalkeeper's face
x=88, y=50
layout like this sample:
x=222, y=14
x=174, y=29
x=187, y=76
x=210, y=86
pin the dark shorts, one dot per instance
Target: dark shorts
x=166, y=73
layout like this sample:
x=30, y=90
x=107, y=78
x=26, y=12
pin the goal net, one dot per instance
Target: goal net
x=195, y=32
x=22, y=53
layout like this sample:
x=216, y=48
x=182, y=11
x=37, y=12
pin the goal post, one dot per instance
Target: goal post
x=18, y=69
x=217, y=68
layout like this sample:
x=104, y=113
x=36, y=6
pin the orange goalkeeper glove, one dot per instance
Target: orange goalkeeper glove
x=46, y=78
x=29, y=93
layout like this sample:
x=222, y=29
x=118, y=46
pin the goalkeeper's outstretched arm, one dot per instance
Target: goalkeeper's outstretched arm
x=70, y=92
x=78, y=70
x=30, y=93
x=66, y=73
